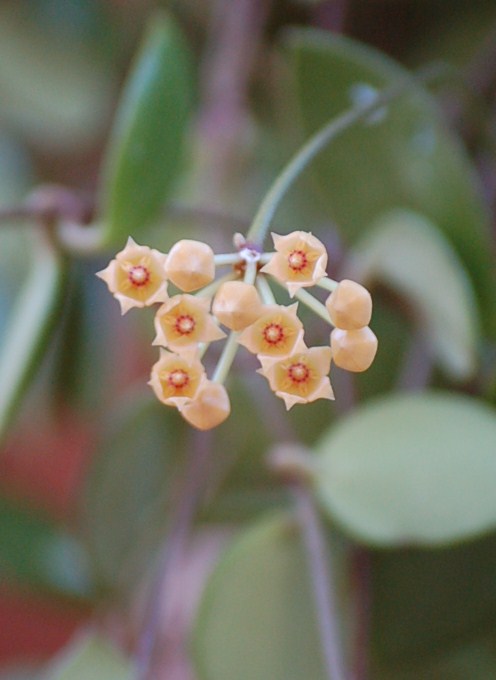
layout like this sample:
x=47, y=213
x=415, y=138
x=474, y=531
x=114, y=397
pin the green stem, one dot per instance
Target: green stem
x=327, y=284
x=265, y=290
x=226, y=358
x=313, y=304
x=318, y=142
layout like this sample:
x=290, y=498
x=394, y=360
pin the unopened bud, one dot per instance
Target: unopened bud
x=190, y=265
x=237, y=305
x=353, y=350
x=350, y=306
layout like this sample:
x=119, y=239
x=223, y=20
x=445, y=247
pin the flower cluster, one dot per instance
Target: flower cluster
x=242, y=301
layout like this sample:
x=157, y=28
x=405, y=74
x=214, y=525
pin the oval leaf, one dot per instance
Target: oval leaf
x=411, y=469
x=35, y=551
x=68, y=111
x=403, y=156
x=408, y=253
x=425, y=601
x=30, y=328
x=90, y=658
x=257, y=619
x=147, y=141
x=128, y=487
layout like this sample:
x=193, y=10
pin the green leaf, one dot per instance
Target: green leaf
x=30, y=327
x=128, y=488
x=426, y=603
x=56, y=91
x=256, y=619
x=147, y=142
x=36, y=552
x=406, y=252
x=411, y=469
x=403, y=157
x=90, y=658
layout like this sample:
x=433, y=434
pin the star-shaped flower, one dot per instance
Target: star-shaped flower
x=176, y=379
x=300, y=260
x=184, y=321
x=276, y=333
x=136, y=276
x=301, y=377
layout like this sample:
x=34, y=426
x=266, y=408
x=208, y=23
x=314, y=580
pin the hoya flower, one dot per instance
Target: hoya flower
x=353, y=350
x=209, y=408
x=301, y=377
x=190, y=265
x=136, y=276
x=176, y=379
x=276, y=333
x=300, y=260
x=349, y=306
x=184, y=321
x=237, y=305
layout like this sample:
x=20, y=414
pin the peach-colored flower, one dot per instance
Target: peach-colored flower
x=276, y=333
x=301, y=377
x=237, y=305
x=210, y=407
x=176, y=379
x=354, y=350
x=190, y=265
x=136, y=276
x=300, y=260
x=349, y=306
x=184, y=321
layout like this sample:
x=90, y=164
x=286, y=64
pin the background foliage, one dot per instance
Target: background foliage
x=164, y=120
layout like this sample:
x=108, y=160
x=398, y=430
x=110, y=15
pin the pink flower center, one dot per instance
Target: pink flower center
x=297, y=260
x=273, y=333
x=185, y=324
x=298, y=373
x=178, y=378
x=139, y=275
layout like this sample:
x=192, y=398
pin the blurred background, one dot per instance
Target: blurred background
x=90, y=464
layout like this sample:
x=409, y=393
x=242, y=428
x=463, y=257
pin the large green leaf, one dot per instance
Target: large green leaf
x=146, y=146
x=403, y=157
x=55, y=89
x=90, y=658
x=29, y=327
x=406, y=252
x=428, y=602
x=411, y=469
x=34, y=551
x=257, y=618
x=128, y=487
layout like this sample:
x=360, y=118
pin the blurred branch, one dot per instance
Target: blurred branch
x=189, y=497
x=321, y=572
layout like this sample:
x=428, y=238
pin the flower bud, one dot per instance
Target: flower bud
x=210, y=407
x=237, y=305
x=349, y=306
x=353, y=350
x=190, y=265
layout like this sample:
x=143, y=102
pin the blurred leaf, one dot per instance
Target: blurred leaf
x=36, y=552
x=30, y=327
x=406, y=252
x=53, y=90
x=128, y=487
x=90, y=658
x=403, y=156
x=475, y=660
x=411, y=469
x=256, y=619
x=145, y=151
x=426, y=603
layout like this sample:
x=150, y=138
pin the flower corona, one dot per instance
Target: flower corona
x=243, y=302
